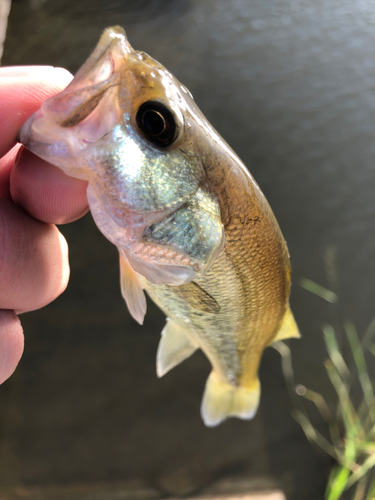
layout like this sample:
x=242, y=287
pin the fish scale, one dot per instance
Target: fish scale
x=192, y=227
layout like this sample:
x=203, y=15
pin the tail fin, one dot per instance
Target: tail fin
x=222, y=400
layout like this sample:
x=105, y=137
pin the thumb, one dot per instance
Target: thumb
x=11, y=343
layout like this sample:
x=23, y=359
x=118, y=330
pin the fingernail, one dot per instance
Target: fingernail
x=34, y=72
x=65, y=262
x=20, y=71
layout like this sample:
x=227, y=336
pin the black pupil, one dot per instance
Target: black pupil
x=156, y=121
x=153, y=122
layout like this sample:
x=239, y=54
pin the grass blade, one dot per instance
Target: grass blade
x=371, y=490
x=318, y=401
x=314, y=436
x=325, y=412
x=299, y=412
x=319, y=290
x=360, y=362
x=286, y=364
x=369, y=335
x=346, y=407
x=367, y=465
x=360, y=490
x=335, y=353
x=337, y=483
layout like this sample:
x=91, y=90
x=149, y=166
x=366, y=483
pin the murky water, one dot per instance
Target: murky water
x=291, y=86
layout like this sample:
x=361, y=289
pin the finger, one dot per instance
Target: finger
x=11, y=343
x=6, y=166
x=34, y=267
x=30, y=86
x=45, y=192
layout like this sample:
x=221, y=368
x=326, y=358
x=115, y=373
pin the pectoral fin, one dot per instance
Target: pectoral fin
x=132, y=290
x=160, y=266
x=288, y=328
x=175, y=345
x=222, y=400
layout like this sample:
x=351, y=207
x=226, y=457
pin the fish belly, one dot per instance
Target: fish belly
x=230, y=316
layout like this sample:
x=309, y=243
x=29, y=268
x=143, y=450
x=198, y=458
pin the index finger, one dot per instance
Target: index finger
x=30, y=86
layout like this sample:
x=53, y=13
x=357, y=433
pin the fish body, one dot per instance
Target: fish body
x=192, y=227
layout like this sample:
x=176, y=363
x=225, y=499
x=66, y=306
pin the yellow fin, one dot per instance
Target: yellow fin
x=288, y=328
x=222, y=400
x=132, y=291
x=175, y=345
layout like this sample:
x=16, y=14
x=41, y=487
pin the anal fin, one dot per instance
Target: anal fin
x=222, y=400
x=132, y=291
x=288, y=328
x=175, y=345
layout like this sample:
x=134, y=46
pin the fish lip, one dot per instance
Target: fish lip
x=114, y=47
x=116, y=31
x=26, y=130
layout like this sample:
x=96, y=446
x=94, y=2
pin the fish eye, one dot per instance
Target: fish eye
x=156, y=121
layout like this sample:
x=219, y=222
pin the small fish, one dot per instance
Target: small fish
x=191, y=225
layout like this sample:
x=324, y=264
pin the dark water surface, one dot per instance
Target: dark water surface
x=291, y=86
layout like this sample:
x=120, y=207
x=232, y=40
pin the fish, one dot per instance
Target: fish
x=191, y=225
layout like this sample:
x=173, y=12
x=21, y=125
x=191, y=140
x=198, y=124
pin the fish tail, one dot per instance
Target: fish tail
x=222, y=400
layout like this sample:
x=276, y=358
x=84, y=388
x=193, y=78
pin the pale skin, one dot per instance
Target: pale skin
x=34, y=196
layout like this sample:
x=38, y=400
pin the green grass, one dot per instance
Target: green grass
x=350, y=419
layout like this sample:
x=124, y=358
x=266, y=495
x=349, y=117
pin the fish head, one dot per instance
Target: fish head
x=128, y=127
x=122, y=107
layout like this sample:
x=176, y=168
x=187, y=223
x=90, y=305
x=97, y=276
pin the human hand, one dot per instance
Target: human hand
x=34, y=195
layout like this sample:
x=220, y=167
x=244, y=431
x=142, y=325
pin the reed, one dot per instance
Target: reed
x=350, y=419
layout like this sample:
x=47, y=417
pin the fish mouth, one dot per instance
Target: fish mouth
x=74, y=117
x=108, y=58
x=28, y=138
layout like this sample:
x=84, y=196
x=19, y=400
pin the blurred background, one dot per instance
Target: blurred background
x=290, y=85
